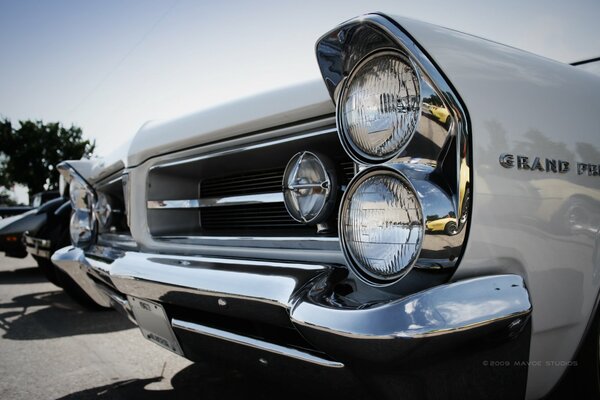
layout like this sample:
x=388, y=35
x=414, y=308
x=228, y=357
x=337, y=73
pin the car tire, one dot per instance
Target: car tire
x=451, y=228
x=75, y=292
x=48, y=269
x=60, y=236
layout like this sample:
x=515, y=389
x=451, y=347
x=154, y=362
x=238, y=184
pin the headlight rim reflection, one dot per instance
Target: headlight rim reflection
x=354, y=264
x=351, y=148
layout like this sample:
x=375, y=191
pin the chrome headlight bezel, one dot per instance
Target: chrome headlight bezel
x=352, y=148
x=362, y=271
x=83, y=202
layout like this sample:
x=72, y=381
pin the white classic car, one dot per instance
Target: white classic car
x=425, y=219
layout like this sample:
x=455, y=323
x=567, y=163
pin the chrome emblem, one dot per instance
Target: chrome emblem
x=308, y=188
x=548, y=165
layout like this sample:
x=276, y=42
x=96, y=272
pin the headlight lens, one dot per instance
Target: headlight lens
x=82, y=222
x=81, y=227
x=379, y=107
x=307, y=188
x=81, y=198
x=381, y=226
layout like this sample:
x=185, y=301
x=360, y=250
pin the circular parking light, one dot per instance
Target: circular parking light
x=103, y=210
x=307, y=188
x=381, y=226
x=379, y=107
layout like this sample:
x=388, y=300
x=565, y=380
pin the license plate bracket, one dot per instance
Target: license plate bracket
x=154, y=324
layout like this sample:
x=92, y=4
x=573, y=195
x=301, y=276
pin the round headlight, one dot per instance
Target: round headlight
x=381, y=226
x=307, y=187
x=81, y=198
x=81, y=227
x=379, y=107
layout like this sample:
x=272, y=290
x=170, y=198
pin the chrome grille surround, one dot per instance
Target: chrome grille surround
x=237, y=192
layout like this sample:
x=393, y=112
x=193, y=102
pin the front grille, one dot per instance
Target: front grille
x=249, y=218
x=255, y=182
x=264, y=181
x=348, y=171
x=212, y=182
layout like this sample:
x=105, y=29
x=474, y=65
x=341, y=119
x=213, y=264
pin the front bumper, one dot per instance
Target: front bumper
x=208, y=300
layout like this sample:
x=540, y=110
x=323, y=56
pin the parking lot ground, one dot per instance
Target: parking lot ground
x=52, y=348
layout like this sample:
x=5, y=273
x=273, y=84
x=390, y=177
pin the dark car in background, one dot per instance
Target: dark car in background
x=38, y=200
x=40, y=232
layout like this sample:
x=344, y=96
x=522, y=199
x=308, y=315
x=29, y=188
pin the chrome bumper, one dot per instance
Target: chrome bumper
x=82, y=269
x=296, y=295
x=38, y=247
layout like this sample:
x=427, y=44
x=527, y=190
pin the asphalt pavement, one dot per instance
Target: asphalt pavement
x=52, y=348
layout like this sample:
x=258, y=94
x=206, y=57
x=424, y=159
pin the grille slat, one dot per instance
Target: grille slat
x=240, y=218
x=244, y=183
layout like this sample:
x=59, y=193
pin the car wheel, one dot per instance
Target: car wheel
x=451, y=228
x=77, y=293
x=48, y=269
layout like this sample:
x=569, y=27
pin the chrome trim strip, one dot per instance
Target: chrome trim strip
x=172, y=204
x=38, y=247
x=251, y=238
x=219, y=153
x=308, y=243
x=263, y=198
x=254, y=343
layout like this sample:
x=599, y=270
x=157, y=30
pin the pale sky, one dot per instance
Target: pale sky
x=108, y=66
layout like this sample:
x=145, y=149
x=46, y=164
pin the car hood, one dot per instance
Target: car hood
x=247, y=115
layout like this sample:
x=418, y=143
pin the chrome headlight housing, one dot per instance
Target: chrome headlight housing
x=381, y=225
x=400, y=120
x=83, y=226
x=379, y=107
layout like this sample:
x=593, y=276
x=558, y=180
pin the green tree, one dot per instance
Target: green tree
x=29, y=153
x=5, y=200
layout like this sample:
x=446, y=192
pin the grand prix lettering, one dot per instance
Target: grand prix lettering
x=549, y=165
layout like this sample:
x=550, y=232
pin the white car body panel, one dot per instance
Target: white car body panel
x=511, y=101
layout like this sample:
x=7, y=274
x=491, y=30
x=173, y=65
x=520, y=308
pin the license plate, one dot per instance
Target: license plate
x=154, y=324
